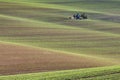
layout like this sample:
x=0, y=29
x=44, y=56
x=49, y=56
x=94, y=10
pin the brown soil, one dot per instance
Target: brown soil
x=16, y=59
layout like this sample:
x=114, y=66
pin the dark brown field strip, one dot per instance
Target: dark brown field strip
x=19, y=59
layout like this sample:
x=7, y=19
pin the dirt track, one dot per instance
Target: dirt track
x=16, y=59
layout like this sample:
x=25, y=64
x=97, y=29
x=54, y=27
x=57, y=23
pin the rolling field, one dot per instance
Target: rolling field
x=37, y=36
x=21, y=59
x=103, y=73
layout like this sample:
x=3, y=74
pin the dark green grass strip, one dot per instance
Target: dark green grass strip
x=115, y=76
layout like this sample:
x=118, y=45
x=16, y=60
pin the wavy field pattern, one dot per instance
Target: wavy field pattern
x=37, y=36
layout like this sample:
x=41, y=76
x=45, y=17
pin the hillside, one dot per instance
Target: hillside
x=37, y=36
x=19, y=59
x=103, y=73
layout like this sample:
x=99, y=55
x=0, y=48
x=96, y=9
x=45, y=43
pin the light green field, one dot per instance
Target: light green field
x=45, y=24
x=103, y=73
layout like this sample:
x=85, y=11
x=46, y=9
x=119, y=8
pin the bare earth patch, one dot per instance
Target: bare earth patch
x=16, y=59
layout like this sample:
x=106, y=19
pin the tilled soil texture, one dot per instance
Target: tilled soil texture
x=15, y=59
